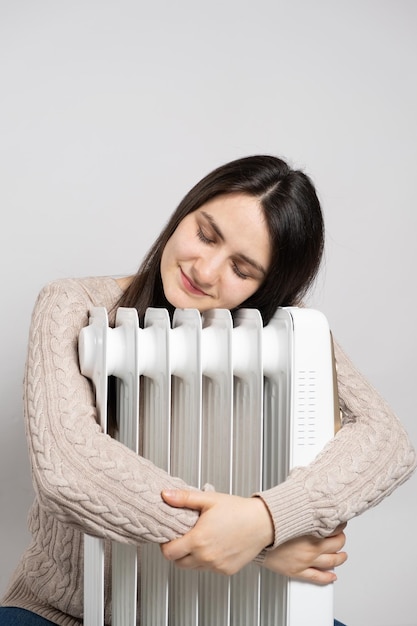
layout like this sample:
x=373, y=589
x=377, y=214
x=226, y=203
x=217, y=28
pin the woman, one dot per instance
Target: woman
x=250, y=234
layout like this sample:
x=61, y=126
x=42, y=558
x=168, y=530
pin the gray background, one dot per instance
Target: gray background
x=110, y=111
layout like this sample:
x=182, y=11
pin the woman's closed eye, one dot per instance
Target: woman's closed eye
x=204, y=237
x=239, y=272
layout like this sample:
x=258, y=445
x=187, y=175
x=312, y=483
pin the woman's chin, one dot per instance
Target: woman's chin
x=182, y=301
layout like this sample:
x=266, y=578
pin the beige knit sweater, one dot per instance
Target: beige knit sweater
x=87, y=482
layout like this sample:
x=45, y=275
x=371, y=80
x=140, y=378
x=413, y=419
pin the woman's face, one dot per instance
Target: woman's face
x=218, y=256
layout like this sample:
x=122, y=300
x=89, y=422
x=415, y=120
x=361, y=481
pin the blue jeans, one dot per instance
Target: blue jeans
x=10, y=616
x=20, y=617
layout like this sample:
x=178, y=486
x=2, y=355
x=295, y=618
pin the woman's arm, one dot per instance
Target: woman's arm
x=82, y=476
x=368, y=458
x=232, y=531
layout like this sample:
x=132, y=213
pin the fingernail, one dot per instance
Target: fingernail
x=169, y=493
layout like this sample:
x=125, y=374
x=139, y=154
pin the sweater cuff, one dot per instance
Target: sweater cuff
x=291, y=511
x=260, y=558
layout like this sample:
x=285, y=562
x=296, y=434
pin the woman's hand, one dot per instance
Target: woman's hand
x=231, y=531
x=309, y=558
x=229, y=534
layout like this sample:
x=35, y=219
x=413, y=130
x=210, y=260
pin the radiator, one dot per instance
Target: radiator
x=230, y=403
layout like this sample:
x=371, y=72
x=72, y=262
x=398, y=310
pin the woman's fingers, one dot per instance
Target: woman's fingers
x=317, y=576
x=334, y=543
x=330, y=561
x=188, y=499
x=308, y=558
x=228, y=535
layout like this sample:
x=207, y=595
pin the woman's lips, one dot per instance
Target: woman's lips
x=190, y=286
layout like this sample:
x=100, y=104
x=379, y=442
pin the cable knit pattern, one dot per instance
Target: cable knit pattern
x=86, y=481
x=83, y=477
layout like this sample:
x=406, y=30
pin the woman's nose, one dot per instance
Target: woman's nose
x=207, y=269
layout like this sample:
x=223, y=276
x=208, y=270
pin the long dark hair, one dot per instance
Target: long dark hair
x=294, y=219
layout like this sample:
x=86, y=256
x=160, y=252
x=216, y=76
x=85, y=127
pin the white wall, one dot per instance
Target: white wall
x=110, y=111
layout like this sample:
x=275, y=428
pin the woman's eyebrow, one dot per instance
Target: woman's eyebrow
x=220, y=235
x=252, y=262
x=213, y=224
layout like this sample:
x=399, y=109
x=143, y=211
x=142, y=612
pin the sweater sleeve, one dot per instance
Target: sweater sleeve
x=367, y=460
x=82, y=476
